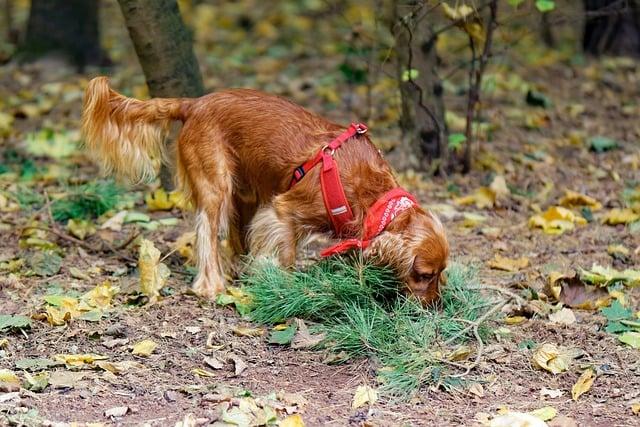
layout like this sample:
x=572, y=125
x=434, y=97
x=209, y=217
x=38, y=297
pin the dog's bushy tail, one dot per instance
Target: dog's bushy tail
x=126, y=135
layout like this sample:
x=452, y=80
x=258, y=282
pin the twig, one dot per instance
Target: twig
x=501, y=290
x=477, y=322
x=63, y=236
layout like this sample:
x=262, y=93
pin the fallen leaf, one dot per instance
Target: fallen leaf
x=573, y=292
x=248, y=332
x=484, y=197
x=635, y=408
x=119, y=367
x=605, y=276
x=185, y=244
x=144, y=348
x=632, y=339
x=36, y=382
x=45, y=264
x=9, y=381
x=81, y=228
x=545, y=413
x=153, y=273
x=101, y=295
x=552, y=393
x=517, y=419
x=78, y=360
x=563, y=317
x=115, y=222
x=556, y=220
x=214, y=362
x=583, y=384
x=554, y=359
x=202, y=373
x=116, y=412
x=619, y=216
x=8, y=321
x=294, y=420
x=35, y=364
x=76, y=273
x=514, y=320
x=364, y=394
x=239, y=365
x=476, y=389
x=65, y=379
x=158, y=200
x=500, y=262
x=283, y=336
x=573, y=199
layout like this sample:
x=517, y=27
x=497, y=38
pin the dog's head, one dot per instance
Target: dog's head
x=416, y=246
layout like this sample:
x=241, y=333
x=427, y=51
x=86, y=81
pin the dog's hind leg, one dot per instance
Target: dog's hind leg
x=211, y=186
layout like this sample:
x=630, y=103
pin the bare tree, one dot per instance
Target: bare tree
x=165, y=49
x=423, y=143
x=612, y=27
x=67, y=27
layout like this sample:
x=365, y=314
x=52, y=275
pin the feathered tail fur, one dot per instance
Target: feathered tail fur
x=126, y=135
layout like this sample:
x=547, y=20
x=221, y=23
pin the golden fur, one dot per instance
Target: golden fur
x=235, y=155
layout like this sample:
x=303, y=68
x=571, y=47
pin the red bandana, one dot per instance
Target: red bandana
x=379, y=216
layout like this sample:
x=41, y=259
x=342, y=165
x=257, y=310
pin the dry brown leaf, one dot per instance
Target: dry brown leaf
x=500, y=262
x=364, y=394
x=144, y=348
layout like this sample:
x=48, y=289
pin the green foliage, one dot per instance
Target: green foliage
x=9, y=322
x=359, y=308
x=87, y=201
x=456, y=140
x=601, y=144
x=545, y=5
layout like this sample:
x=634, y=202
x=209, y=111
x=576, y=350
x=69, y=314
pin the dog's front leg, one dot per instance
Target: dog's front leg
x=272, y=236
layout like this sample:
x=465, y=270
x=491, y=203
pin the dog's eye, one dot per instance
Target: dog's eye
x=427, y=277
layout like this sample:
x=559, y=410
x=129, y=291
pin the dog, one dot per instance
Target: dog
x=239, y=155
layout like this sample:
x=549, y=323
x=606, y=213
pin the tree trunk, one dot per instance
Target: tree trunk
x=165, y=50
x=67, y=27
x=612, y=27
x=423, y=144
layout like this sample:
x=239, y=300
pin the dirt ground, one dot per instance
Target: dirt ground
x=538, y=162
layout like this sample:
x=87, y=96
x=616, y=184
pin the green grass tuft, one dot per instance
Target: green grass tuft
x=360, y=310
x=87, y=201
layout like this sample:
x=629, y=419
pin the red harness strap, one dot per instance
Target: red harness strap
x=380, y=214
x=335, y=201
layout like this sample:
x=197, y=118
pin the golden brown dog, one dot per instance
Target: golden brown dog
x=235, y=156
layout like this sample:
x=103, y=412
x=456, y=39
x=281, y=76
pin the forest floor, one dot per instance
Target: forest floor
x=540, y=151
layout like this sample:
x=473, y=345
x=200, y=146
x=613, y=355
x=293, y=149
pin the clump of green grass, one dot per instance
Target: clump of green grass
x=86, y=201
x=362, y=314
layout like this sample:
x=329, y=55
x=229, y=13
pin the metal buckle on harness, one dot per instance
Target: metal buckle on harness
x=360, y=128
x=331, y=150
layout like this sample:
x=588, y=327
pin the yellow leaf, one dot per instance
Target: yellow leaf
x=508, y=264
x=483, y=197
x=153, y=273
x=101, y=295
x=472, y=219
x=458, y=12
x=184, y=245
x=583, y=384
x=202, y=373
x=517, y=419
x=158, y=200
x=553, y=359
x=572, y=199
x=4, y=343
x=545, y=413
x=6, y=123
x=294, y=420
x=620, y=216
x=248, y=332
x=459, y=353
x=618, y=250
x=514, y=320
x=144, y=348
x=80, y=228
x=9, y=381
x=635, y=408
x=556, y=220
x=364, y=394
x=77, y=360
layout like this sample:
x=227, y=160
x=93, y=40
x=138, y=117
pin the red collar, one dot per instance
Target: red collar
x=380, y=214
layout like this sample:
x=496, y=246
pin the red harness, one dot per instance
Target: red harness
x=380, y=214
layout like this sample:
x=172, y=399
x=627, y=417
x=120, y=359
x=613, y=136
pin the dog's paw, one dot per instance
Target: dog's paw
x=207, y=289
